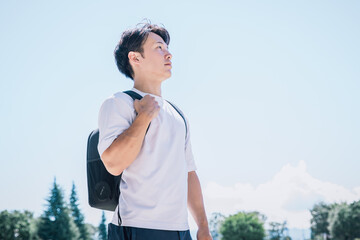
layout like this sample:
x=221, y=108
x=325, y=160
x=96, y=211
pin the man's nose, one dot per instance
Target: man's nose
x=168, y=55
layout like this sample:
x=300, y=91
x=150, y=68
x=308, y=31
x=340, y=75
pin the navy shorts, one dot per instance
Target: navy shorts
x=133, y=233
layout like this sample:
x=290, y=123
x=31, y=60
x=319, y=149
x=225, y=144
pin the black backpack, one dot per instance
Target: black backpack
x=104, y=188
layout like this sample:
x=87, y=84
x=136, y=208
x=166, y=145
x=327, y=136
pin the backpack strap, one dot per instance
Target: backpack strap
x=179, y=112
x=133, y=95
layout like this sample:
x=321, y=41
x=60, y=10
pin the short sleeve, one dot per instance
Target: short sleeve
x=115, y=116
x=190, y=162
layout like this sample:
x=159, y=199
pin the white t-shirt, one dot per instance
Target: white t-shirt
x=154, y=187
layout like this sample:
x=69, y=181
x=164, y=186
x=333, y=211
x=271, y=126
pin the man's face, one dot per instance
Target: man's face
x=157, y=59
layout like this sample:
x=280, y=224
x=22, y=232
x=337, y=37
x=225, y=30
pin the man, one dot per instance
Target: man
x=159, y=180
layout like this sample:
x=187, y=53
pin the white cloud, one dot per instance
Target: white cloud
x=287, y=196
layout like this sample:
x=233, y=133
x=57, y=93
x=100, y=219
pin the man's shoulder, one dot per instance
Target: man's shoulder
x=119, y=98
x=124, y=97
x=117, y=102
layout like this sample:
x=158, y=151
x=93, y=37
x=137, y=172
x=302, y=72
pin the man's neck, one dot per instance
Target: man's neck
x=148, y=87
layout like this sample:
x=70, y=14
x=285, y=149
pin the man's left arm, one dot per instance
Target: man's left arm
x=196, y=206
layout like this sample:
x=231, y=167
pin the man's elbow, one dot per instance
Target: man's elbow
x=110, y=163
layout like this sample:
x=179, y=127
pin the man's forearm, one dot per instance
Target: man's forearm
x=125, y=148
x=195, y=201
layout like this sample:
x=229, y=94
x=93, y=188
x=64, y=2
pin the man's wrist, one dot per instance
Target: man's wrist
x=143, y=119
x=138, y=127
x=203, y=224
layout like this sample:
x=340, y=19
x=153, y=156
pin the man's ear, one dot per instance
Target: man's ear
x=133, y=57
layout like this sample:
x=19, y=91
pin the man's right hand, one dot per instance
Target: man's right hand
x=147, y=107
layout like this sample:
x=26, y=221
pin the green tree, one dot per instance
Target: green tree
x=215, y=222
x=243, y=226
x=17, y=225
x=102, y=228
x=355, y=218
x=56, y=222
x=34, y=223
x=278, y=231
x=341, y=222
x=78, y=217
x=319, y=220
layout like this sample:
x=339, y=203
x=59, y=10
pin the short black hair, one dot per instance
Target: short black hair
x=133, y=40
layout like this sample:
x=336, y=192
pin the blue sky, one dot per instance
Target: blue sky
x=270, y=88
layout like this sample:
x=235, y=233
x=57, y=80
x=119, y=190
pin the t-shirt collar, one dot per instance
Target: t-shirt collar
x=143, y=93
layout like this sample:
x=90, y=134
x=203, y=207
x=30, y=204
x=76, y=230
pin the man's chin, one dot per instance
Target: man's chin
x=167, y=76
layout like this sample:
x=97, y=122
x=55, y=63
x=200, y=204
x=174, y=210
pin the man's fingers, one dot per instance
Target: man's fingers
x=147, y=105
x=136, y=102
x=149, y=101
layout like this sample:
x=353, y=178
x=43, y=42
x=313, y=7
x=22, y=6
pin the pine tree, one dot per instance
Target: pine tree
x=78, y=217
x=102, y=228
x=56, y=222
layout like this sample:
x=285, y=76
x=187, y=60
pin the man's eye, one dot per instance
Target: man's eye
x=159, y=46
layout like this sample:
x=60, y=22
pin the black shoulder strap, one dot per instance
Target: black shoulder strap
x=178, y=110
x=133, y=95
